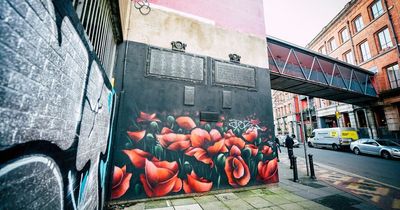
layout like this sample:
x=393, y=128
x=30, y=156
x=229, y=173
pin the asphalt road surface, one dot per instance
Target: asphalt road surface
x=373, y=167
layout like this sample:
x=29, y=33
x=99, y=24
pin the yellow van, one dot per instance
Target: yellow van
x=335, y=138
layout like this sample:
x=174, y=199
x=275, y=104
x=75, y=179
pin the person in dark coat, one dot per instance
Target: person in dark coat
x=289, y=145
x=278, y=147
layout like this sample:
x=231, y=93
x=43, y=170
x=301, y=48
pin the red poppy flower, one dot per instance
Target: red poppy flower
x=160, y=178
x=120, y=182
x=255, y=122
x=144, y=117
x=174, y=141
x=251, y=134
x=231, y=139
x=138, y=157
x=219, y=124
x=136, y=135
x=253, y=148
x=266, y=150
x=268, y=171
x=236, y=169
x=205, y=145
x=185, y=122
x=195, y=184
x=166, y=130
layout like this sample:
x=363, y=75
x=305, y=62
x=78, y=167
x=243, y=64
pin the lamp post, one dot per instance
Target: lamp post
x=302, y=132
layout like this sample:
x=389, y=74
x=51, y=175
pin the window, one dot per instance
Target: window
x=348, y=57
x=332, y=44
x=344, y=35
x=376, y=9
x=364, y=49
x=384, y=39
x=322, y=50
x=393, y=73
x=358, y=24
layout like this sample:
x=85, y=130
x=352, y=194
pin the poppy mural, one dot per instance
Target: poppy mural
x=188, y=125
x=174, y=154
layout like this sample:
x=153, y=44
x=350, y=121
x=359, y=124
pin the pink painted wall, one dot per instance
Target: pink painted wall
x=246, y=16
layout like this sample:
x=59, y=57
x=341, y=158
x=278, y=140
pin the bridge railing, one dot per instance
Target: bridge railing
x=294, y=61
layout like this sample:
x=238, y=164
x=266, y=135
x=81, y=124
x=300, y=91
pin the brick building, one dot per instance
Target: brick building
x=366, y=33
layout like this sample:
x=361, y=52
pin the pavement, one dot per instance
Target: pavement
x=333, y=189
x=377, y=193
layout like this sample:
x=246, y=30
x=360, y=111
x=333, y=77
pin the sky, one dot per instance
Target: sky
x=299, y=21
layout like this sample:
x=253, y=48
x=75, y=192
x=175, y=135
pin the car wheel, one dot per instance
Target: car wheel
x=356, y=151
x=335, y=147
x=386, y=154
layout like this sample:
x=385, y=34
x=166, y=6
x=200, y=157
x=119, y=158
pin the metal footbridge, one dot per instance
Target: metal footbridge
x=302, y=71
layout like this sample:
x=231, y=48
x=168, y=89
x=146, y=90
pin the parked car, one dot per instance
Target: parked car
x=282, y=139
x=333, y=138
x=384, y=148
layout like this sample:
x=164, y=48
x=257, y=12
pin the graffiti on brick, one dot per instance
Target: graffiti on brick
x=54, y=132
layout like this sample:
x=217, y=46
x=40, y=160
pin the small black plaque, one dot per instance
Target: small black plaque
x=189, y=95
x=226, y=99
x=209, y=116
x=234, y=75
x=175, y=65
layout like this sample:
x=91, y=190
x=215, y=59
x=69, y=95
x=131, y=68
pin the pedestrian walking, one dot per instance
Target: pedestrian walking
x=278, y=147
x=289, y=145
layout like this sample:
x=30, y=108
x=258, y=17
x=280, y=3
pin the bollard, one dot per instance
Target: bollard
x=291, y=162
x=295, y=175
x=310, y=157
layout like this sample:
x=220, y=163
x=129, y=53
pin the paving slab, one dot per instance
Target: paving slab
x=156, y=204
x=245, y=194
x=279, y=190
x=162, y=208
x=206, y=198
x=276, y=199
x=292, y=206
x=307, y=195
x=214, y=205
x=188, y=207
x=293, y=197
x=138, y=206
x=257, y=202
x=183, y=201
x=237, y=204
x=272, y=208
x=226, y=196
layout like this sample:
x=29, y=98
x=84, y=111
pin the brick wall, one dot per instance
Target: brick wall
x=54, y=111
x=380, y=59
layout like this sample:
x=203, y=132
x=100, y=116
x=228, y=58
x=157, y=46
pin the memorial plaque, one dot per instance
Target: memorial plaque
x=189, y=95
x=209, y=116
x=226, y=99
x=234, y=75
x=175, y=65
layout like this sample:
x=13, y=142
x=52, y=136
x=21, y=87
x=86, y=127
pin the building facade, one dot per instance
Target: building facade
x=365, y=33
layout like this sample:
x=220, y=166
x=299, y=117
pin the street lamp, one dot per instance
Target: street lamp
x=302, y=132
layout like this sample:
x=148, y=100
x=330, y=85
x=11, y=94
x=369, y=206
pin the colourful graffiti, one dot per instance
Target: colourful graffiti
x=167, y=155
x=55, y=157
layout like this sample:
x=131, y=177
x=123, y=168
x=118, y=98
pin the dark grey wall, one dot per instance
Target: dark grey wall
x=164, y=97
x=54, y=109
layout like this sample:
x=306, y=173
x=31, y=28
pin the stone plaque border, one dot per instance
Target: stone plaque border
x=160, y=76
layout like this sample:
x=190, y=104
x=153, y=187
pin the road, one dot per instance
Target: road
x=373, y=167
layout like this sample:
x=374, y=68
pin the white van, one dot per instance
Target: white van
x=333, y=138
